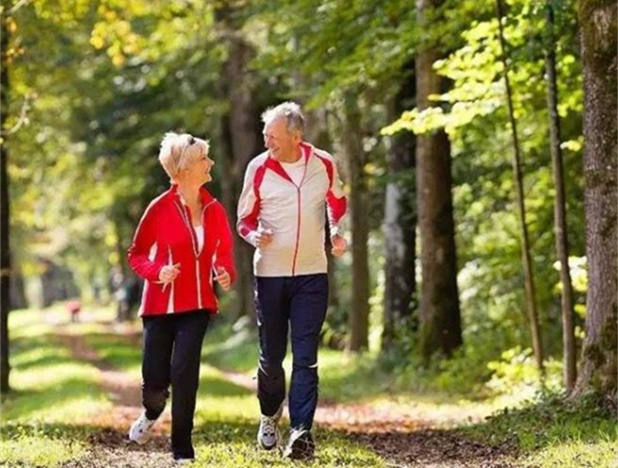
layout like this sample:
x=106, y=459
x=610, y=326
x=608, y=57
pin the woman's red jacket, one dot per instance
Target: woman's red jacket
x=165, y=236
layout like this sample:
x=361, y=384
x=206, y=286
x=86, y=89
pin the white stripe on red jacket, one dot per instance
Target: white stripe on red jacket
x=165, y=236
x=295, y=214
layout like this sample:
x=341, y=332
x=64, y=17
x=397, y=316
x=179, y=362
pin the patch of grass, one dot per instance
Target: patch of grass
x=553, y=432
x=230, y=350
x=28, y=450
x=576, y=454
x=47, y=383
x=52, y=394
x=117, y=350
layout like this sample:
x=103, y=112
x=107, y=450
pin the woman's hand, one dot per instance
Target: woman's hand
x=223, y=278
x=169, y=273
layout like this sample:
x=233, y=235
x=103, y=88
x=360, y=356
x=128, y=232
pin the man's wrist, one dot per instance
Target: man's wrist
x=251, y=238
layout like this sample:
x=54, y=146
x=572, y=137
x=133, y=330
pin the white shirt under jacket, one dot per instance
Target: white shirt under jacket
x=292, y=201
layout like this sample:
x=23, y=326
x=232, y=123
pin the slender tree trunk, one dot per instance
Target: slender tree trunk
x=121, y=247
x=317, y=134
x=17, y=290
x=533, y=315
x=440, y=319
x=359, y=200
x=241, y=127
x=5, y=251
x=400, y=226
x=598, y=52
x=562, y=243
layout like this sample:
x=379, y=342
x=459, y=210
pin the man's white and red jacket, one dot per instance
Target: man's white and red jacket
x=294, y=208
x=165, y=236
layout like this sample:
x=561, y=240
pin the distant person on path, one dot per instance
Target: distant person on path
x=182, y=242
x=282, y=212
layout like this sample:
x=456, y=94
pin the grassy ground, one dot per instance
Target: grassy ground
x=53, y=397
x=53, y=418
x=46, y=420
x=556, y=434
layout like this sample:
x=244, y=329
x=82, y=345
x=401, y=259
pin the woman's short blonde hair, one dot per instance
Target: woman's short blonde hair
x=178, y=151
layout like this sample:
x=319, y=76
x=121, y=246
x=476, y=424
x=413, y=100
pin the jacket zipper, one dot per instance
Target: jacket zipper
x=187, y=222
x=297, y=231
x=298, y=204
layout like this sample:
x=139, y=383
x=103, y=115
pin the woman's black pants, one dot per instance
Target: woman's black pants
x=171, y=355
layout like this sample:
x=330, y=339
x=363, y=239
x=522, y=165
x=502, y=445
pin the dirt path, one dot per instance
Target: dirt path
x=111, y=444
x=402, y=436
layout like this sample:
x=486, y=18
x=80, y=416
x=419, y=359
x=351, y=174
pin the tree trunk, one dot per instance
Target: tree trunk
x=562, y=243
x=240, y=130
x=121, y=247
x=359, y=201
x=533, y=315
x=316, y=131
x=440, y=319
x=400, y=226
x=5, y=251
x=598, y=52
x=17, y=288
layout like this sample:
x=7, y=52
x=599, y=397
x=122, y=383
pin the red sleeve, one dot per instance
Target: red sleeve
x=224, y=256
x=144, y=239
x=336, y=201
x=249, y=203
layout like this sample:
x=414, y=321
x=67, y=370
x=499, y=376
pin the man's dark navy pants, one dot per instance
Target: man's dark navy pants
x=171, y=355
x=297, y=304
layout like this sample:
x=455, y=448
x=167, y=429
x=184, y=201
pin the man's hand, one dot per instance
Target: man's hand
x=263, y=238
x=339, y=245
x=223, y=278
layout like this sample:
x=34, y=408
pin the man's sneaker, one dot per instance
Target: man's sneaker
x=183, y=461
x=140, y=430
x=269, y=436
x=300, y=446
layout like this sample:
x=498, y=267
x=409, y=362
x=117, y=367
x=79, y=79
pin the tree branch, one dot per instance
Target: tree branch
x=23, y=118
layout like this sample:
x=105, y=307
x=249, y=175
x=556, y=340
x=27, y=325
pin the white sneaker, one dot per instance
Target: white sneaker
x=140, y=430
x=268, y=436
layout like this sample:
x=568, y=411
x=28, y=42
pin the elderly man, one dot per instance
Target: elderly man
x=282, y=212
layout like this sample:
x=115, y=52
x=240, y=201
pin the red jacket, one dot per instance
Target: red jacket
x=165, y=236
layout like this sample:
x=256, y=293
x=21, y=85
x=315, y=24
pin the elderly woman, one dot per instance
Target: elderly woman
x=181, y=244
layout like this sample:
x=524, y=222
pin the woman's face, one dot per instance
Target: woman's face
x=199, y=170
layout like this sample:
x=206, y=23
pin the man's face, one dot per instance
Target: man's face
x=280, y=142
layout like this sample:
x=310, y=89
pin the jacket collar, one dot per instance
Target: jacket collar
x=207, y=198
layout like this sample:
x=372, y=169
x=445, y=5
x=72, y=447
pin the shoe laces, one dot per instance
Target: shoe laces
x=269, y=425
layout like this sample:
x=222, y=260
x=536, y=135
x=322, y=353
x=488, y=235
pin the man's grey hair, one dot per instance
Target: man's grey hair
x=290, y=111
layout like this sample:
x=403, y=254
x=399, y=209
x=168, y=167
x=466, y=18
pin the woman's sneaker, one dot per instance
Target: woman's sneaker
x=140, y=430
x=268, y=436
x=300, y=446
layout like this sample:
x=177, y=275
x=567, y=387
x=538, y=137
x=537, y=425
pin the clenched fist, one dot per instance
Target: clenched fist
x=223, y=278
x=339, y=245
